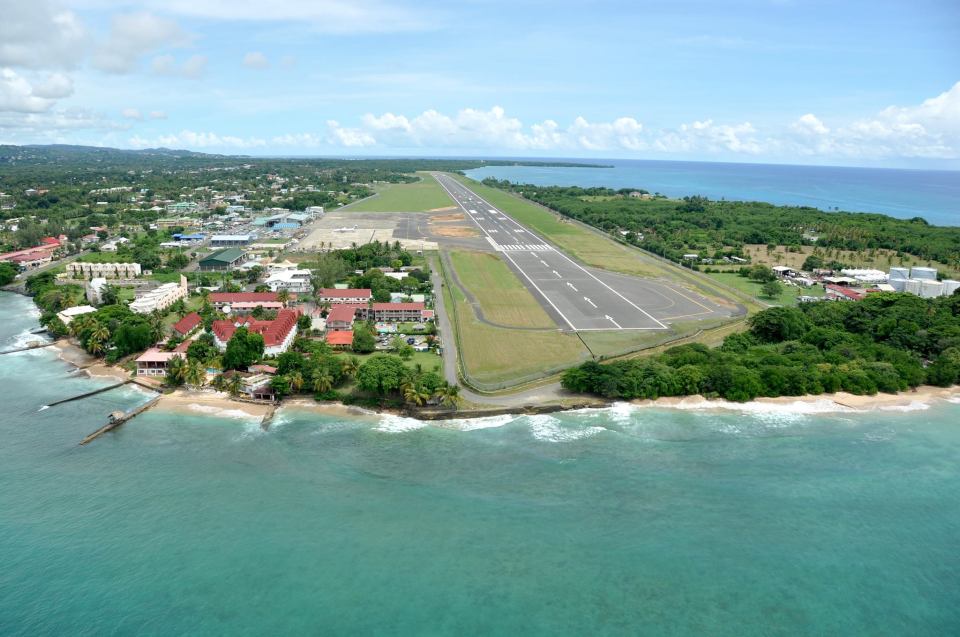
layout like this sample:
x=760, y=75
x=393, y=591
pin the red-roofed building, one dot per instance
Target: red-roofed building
x=340, y=318
x=840, y=293
x=30, y=257
x=340, y=340
x=334, y=296
x=277, y=334
x=219, y=300
x=187, y=324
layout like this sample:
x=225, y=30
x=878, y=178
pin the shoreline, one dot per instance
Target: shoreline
x=918, y=398
x=192, y=401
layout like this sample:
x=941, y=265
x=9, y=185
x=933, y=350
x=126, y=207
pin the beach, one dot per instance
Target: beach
x=917, y=398
x=194, y=401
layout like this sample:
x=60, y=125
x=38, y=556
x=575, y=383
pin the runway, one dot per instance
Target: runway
x=580, y=299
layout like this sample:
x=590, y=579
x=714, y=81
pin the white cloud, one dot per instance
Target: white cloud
x=16, y=94
x=255, y=60
x=705, y=136
x=474, y=128
x=40, y=34
x=193, y=67
x=930, y=130
x=55, y=87
x=193, y=139
x=134, y=35
x=158, y=115
x=349, y=137
x=131, y=113
x=55, y=127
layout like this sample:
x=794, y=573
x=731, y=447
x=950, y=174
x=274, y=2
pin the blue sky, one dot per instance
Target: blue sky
x=855, y=83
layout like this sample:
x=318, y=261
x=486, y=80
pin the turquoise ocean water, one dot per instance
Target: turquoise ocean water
x=931, y=194
x=607, y=522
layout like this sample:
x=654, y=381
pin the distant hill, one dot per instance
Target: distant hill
x=36, y=154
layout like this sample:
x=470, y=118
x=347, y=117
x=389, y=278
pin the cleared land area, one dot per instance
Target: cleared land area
x=880, y=259
x=496, y=357
x=423, y=196
x=787, y=296
x=502, y=298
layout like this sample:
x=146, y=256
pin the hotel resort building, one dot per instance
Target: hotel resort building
x=160, y=298
x=277, y=334
x=240, y=302
x=103, y=270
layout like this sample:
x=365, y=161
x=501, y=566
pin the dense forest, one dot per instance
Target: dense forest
x=885, y=343
x=673, y=227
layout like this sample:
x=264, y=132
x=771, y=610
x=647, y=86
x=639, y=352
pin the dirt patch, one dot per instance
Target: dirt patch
x=454, y=231
x=444, y=209
x=444, y=218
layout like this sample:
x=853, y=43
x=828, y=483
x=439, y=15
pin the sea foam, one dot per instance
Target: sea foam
x=550, y=429
x=391, y=423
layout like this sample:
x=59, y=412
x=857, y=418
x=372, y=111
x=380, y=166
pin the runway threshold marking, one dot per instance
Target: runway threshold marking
x=507, y=255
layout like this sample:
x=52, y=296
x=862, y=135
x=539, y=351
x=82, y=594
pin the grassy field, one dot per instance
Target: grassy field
x=500, y=357
x=502, y=297
x=787, y=297
x=422, y=196
x=427, y=360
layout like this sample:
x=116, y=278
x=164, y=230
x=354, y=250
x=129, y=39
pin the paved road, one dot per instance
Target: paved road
x=578, y=298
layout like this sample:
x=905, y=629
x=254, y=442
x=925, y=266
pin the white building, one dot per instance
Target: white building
x=94, y=290
x=73, y=312
x=297, y=281
x=103, y=270
x=160, y=298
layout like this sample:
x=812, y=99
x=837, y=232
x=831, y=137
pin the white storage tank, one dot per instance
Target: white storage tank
x=928, y=274
x=912, y=286
x=899, y=273
x=950, y=286
x=900, y=285
x=931, y=289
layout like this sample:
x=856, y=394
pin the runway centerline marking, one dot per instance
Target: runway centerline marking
x=463, y=189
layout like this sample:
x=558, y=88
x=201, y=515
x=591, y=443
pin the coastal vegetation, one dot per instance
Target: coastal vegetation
x=886, y=343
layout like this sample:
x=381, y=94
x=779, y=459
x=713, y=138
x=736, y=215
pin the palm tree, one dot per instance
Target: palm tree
x=322, y=381
x=449, y=395
x=80, y=324
x=414, y=395
x=194, y=373
x=176, y=370
x=156, y=325
x=283, y=296
x=234, y=385
x=219, y=382
x=350, y=365
x=100, y=331
x=295, y=381
x=94, y=345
